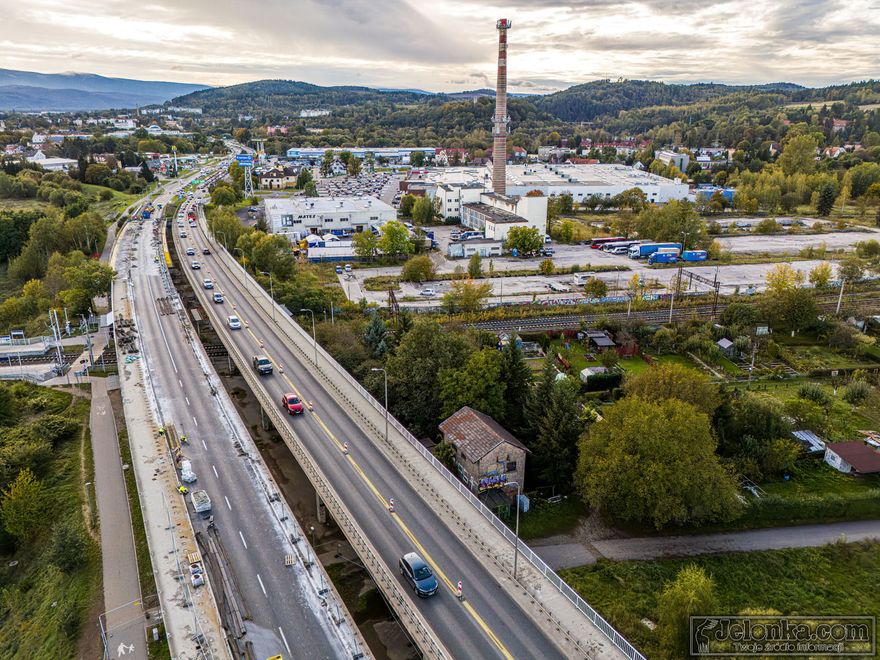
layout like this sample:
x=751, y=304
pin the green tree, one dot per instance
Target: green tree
x=525, y=240
x=466, y=296
x=271, y=253
x=407, y=202
x=445, y=453
x=673, y=443
x=691, y=593
x=413, y=374
x=820, y=275
x=365, y=245
x=225, y=226
x=793, y=309
x=417, y=159
x=555, y=444
x=850, y=269
x=418, y=269
x=799, y=155
x=23, y=505
x=547, y=267
x=327, y=162
x=674, y=381
x=476, y=384
x=475, y=265
x=376, y=336
x=394, y=240
x=304, y=176
x=423, y=210
x=595, y=288
x=825, y=200
x=677, y=221
x=353, y=166
x=310, y=189
x=783, y=277
x=517, y=378
x=609, y=358
x=147, y=173
x=223, y=195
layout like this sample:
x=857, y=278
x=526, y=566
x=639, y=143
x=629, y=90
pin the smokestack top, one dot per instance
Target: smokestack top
x=503, y=24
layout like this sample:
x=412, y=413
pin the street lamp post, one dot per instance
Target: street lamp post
x=271, y=292
x=385, y=373
x=314, y=336
x=516, y=530
x=225, y=246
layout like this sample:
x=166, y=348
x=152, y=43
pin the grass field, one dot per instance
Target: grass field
x=577, y=356
x=545, y=519
x=833, y=580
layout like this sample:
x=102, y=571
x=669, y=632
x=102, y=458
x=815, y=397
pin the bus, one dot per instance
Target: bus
x=596, y=243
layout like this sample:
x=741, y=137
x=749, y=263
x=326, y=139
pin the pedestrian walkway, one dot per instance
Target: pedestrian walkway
x=124, y=619
x=567, y=555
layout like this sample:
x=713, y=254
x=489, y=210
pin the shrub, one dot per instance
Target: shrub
x=856, y=392
x=814, y=392
x=67, y=546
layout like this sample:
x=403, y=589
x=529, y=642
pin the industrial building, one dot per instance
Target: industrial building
x=495, y=215
x=402, y=155
x=297, y=217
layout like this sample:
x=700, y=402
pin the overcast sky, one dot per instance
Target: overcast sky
x=444, y=45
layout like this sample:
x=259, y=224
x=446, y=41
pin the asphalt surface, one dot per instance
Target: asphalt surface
x=567, y=555
x=490, y=623
x=124, y=619
x=278, y=617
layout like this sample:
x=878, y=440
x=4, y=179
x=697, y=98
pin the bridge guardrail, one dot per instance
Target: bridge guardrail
x=265, y=302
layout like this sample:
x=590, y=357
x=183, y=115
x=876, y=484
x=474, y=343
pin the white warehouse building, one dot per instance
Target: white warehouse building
x=297, y=217
x=582, y=181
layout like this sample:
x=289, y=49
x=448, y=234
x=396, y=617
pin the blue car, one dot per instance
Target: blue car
x=418, y=574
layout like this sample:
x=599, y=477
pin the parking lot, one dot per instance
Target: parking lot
x=381, y=185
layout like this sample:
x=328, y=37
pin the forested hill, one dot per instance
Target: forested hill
x=289, y=96
x=603, y=97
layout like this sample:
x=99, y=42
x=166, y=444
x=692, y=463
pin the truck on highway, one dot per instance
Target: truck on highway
x=694, y=255
x=647, y=249
x=201, y=502
x=663, y=258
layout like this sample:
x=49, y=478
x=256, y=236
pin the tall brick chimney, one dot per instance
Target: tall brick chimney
x=501, y=120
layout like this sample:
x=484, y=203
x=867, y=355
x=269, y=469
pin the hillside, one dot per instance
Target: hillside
x=27, y=90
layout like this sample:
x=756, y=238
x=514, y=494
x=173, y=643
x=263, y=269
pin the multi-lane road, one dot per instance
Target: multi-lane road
x=489, y=623
x=282, y=615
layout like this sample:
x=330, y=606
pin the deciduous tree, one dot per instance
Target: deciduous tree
x=691, y=593
x=674, y=381
x=418, y=269
x=23, y=505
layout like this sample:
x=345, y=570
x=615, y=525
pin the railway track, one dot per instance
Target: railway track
x=574, y=321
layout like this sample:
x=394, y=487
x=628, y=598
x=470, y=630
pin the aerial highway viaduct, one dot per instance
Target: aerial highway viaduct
x=341, y=444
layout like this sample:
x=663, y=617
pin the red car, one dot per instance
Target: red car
x=291, y=403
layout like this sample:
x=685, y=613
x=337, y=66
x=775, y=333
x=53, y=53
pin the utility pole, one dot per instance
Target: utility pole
x=840, y=297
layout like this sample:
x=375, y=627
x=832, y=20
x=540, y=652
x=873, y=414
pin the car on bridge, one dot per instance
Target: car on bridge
x=208, y=283
x=195, y=265
x=418, y=574
x=262, y=365
x=218, y=298
x=233, y=322
x=206, y=251
x=292, y=404
x=190, y=251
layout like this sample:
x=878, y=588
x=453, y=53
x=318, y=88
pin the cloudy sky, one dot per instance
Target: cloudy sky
x=443, y=45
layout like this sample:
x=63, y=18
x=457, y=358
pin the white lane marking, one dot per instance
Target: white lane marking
x=187, y=400
x=242, y=539
x=260, y=580
x=284, y=639
x=161, y=329
x=204, y=445
x=180, y=382
x=229, y=505
x=214, y=467
x=195, y=421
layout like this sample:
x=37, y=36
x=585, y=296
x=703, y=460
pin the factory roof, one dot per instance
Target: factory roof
x=496, y=215
x=303, y=205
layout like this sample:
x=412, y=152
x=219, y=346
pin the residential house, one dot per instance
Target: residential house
x=853, y=457
x=277, y=177
x=487, y=456
x=599, y=340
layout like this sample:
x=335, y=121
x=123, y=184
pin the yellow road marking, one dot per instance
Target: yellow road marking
x=402, y=525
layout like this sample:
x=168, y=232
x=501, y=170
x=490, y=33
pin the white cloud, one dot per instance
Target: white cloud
x=447, y=44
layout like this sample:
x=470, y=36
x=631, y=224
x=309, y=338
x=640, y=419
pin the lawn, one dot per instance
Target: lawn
x=577, y=355
x=832, y=580
x=814, y=477
x=118, y=203
x=545, y=519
